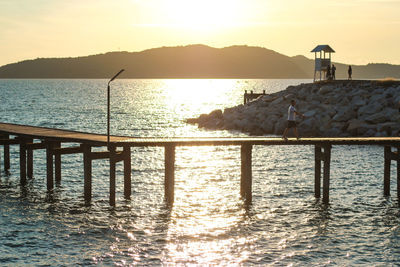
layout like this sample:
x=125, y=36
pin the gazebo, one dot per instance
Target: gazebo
x=322, y=60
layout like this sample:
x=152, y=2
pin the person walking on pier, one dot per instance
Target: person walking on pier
x=291, y=121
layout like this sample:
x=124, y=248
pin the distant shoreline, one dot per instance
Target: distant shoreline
x=187, y=62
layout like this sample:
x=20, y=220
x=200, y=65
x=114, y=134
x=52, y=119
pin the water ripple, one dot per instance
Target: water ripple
x=209, y=223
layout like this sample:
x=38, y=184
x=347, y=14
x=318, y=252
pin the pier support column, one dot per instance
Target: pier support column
x=22, y=161
x=87, y=170
x=386, y=171
x=246, y=172
x=127, y=172
x=324, y=156
x=317, y=176
x=6, y=155
x=29, y=166
x=57, y=164
x=49, y=165
x=113, y=162
x=327, y=167
x=169, y=182
x=398, y=172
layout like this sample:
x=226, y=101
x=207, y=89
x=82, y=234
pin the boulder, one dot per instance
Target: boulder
x=380, y=134
x=251, y=127
x=360, y=127
x=202, y=119
x=305, y=90
x=212, y=123
x=269, y=120
x=230, y=116
x=276, y=111
x=397, y=99
x=325, y=89
x=308, y=123
x=327, y=109
x=216, y=114
x=310, y=113
x=308, y=127
x=369, y=109
x=289, y=97
x=333, y=132
x=277, y=101
x=344, y=114
x=261, y=104
x=355, y=124
x=279, y=127
x=268, y=126
x=364, y=128
x=396, y=118
x=354, y=108
x=377, y=118
x=192, y=120
x=391, y=113
x=357, y=101
x=250, y=111
x=370, y=133
x=332, y=100
x=339, y=125
x=260, y=116
x=230, y=125
x=388, y=127
x=239, y=124
x=268, y=98
x=323, y=123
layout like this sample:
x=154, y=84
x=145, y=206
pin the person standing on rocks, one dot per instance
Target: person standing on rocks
x=291, y=121
x=328, y=72
x=350, y=72
x=333, y=72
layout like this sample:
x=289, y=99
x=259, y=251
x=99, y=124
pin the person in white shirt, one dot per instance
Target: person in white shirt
x=292, y=112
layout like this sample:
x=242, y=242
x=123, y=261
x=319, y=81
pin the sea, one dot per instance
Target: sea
x=209, y=224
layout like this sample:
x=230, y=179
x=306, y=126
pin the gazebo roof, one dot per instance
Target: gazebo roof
x=325, y=48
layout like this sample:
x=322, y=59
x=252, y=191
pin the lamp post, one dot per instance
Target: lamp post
x=108, y=107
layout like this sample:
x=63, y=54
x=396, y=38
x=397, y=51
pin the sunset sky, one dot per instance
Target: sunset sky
x=361, y=31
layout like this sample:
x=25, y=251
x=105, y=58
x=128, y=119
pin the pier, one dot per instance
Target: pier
x=247, y=97
x=30, y=138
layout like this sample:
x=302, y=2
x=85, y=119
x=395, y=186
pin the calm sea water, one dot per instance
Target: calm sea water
x=208, y=224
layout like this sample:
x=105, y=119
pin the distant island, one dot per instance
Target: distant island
x=192, y=61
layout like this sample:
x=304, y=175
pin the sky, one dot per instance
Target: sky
x=360, y=31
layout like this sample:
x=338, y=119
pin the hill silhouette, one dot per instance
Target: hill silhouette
x=192, y=61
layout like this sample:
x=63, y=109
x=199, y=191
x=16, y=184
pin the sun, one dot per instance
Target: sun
x=202, y=14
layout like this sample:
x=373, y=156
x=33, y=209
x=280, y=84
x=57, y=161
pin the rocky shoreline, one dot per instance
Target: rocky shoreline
x=334, y=108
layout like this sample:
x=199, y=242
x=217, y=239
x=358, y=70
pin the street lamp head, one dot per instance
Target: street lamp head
x=116, y=75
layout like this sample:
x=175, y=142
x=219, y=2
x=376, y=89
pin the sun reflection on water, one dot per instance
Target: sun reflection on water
x=195, y=96
x=207, y=209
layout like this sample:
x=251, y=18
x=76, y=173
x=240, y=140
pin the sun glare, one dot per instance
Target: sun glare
x=195, y=96
x=202, y=15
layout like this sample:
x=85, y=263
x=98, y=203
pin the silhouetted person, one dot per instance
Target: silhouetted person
x=350, y=72
x=328, y=72
x=333, y=72
x=291, y=121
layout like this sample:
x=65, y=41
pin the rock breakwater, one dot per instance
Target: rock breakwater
x=336, y=108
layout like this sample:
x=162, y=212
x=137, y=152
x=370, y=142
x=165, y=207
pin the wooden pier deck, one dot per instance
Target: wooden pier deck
x=30, y=138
